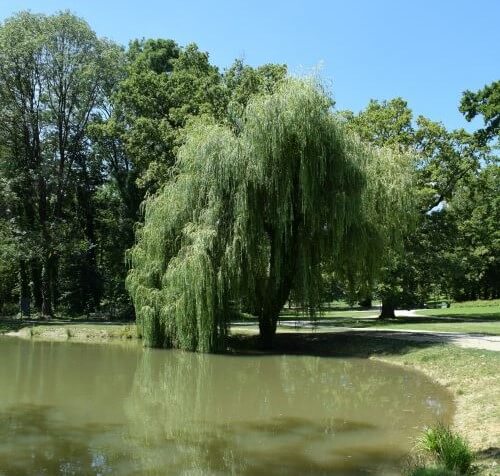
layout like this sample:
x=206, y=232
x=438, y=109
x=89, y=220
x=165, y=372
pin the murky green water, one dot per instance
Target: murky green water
x=105, y=409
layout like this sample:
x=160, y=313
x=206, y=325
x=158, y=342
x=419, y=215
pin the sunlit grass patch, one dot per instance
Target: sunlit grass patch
x=490, y=311
x=438, y=471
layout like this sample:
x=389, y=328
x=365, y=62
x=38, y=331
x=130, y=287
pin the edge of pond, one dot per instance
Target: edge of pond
x=465, y=373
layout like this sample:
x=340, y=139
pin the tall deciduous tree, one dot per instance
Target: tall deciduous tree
x=165, y=85
x=252, y=216
x=474, y=254
x=52, y=75
x=444, y=160
x=242, y=82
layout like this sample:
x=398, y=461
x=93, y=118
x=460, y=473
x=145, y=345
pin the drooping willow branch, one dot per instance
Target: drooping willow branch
x=251, y=217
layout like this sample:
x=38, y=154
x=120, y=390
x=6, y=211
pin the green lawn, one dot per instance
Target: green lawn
x=418, y=324
x=472, y=316
x=469, y=317
x=465, y=311
x=478, y=303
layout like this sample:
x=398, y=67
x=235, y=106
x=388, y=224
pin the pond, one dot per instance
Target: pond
x=68, y=408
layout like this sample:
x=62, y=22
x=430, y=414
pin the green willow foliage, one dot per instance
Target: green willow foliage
x=251, y=216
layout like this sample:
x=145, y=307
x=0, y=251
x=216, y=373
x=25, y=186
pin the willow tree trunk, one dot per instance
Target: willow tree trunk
x=282, y=266
x=387, y=311
x=276, y=297
x=268, y=318
x=267, y=330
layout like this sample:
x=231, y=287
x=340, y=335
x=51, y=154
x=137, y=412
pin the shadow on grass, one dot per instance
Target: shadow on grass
x=335, y=344
x=489, y=453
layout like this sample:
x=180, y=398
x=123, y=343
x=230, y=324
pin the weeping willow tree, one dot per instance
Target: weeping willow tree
x=254, y=214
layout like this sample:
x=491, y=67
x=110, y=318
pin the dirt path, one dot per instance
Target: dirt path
x=400, y=313
x=471, y=341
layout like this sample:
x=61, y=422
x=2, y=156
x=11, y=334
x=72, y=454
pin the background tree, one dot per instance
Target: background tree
x=446, y=163
x=8, y=254
x=86, y=133
x=474, y=254
x=88, y=130
x=242, y=82
x=485, y=102
x=164, y=86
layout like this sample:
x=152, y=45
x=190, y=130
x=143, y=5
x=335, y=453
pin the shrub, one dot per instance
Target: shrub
x=449, y=449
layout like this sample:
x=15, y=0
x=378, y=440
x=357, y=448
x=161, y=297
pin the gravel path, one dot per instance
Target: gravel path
x=471, y=341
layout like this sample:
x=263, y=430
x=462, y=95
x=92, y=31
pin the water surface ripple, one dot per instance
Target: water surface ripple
x=68, y=408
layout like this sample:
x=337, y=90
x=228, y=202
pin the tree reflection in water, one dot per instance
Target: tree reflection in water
x=276, y=414
x=98, y=409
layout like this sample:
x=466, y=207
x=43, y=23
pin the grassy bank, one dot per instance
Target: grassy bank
x=10, y=325
x=472, y=377
x=81, y=332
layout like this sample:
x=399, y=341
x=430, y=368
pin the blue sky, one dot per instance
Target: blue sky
x=426, y=51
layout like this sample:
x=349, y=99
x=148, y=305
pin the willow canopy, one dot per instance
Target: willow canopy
x=255, y=214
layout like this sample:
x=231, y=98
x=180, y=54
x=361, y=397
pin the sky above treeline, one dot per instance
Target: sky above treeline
x=426, y=51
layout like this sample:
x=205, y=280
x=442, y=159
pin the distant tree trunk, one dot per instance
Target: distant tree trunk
x=92, y=274
x=46, y=291
x=24, y=289
x=387, y=311
x=366, y=302
x=53, y=268
x=36, y=279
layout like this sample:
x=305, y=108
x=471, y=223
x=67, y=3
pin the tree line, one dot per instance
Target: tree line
x=89, y=130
